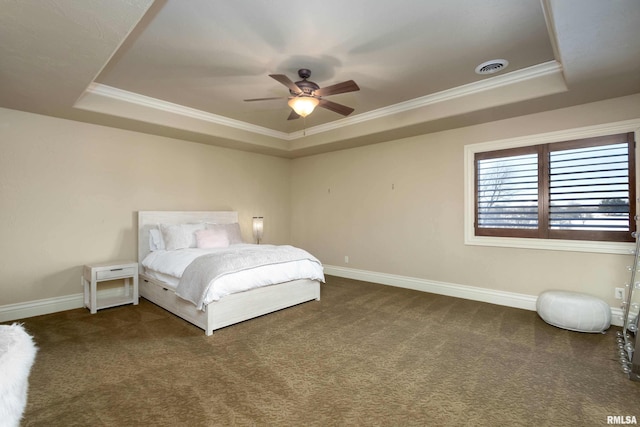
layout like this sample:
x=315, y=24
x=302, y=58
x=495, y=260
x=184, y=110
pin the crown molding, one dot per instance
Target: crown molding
x=526, y=74
x=180, y=110
x=533, y=72
x=551, y=27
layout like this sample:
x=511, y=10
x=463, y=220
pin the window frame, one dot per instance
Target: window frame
x=543, y=153
x=507, y=232
x=559, y=242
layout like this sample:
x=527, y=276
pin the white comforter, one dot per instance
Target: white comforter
x=174, y=263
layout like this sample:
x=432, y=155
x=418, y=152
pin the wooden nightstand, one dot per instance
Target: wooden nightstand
x=94, y=273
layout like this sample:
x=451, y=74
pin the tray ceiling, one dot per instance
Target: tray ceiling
x=182, y=69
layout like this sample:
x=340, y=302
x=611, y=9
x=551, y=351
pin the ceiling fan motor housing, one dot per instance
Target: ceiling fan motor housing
x=306, y=86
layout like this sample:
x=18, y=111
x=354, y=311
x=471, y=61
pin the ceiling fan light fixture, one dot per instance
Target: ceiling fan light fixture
x=303, y=105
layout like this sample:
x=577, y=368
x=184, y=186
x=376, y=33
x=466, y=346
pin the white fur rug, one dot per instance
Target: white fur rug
x=17, y=354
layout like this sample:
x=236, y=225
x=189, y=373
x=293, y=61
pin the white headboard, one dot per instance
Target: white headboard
x=150, y=219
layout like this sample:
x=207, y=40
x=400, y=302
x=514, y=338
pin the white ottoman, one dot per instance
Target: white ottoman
x=17, y=354
x=574, y=311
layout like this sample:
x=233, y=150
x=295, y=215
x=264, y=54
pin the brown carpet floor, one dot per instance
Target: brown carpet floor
x=366, y=354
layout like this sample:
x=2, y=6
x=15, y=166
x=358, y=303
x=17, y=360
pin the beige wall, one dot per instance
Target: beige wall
x=69, y=193
x=397, y=208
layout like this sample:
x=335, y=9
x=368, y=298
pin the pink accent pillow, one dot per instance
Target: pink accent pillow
x=211, y=239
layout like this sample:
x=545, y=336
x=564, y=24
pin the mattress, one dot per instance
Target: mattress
x=169, y=266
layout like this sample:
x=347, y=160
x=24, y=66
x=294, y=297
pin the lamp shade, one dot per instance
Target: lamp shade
x=303, y=105
x=258, y=227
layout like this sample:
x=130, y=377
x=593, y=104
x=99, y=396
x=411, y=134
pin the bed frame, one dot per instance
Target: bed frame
x=231, y=309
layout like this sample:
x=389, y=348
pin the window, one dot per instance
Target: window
x=573, y=190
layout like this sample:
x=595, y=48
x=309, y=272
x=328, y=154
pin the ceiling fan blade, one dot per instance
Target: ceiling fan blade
x=265, y=99
x=293, y=115
x=348, y=86
x=287, y=82
x=335, y=107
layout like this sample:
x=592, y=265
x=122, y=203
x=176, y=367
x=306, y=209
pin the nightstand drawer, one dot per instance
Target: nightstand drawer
x=115, y=273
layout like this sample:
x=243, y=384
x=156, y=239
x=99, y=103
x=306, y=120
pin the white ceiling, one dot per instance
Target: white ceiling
x=183, y=68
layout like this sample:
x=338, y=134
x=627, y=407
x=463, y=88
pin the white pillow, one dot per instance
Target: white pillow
x=211, y=239
x=156, y=243
x=174, y=237
x=231, y=230
x=180, y=236
x=190, y=233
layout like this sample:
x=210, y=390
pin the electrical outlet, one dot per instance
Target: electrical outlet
x=619, y=293
x=346, y=259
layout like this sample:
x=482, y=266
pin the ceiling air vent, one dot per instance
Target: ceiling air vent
x=492, y=67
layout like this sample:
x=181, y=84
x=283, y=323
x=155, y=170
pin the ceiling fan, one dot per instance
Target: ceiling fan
x=306, y=95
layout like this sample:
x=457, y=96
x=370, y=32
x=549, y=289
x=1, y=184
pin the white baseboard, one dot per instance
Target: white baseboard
x=509, y=299
x=617, y=316
x=40, y=307
x=49, y=305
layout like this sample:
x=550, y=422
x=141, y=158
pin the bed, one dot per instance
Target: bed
x=214, y=312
